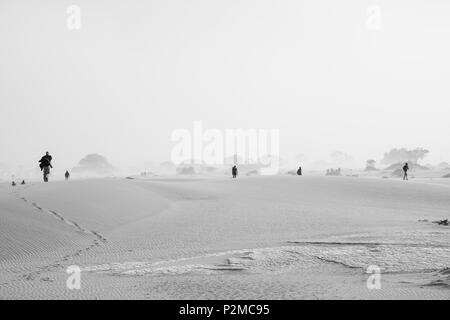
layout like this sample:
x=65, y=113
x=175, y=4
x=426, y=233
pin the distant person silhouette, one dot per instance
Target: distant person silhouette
x=299, y=171
x=13, y=183
x=405, y=170
x=45, y=164
x=23, y=182
x=67, y=175
x=234, y=171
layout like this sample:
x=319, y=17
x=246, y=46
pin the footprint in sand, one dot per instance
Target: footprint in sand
x=36, y=206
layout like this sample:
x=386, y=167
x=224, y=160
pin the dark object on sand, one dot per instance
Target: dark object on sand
x=299, y=171
x=23, y=182
x=442, y=222
x=13, y=183
x=129, y=178
x=446, y=176
x=67, y=175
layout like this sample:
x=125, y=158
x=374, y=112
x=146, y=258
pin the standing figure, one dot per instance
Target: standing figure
x=45, y=164
x=67, y=175
x=234, y=171
x=299, y=171
x=23, y=182
x=405, y=170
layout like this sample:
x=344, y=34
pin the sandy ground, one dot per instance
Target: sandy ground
x=283, y=237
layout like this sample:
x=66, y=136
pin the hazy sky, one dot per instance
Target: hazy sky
x=137, y=70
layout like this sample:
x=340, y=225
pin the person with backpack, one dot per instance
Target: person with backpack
x=45, y=164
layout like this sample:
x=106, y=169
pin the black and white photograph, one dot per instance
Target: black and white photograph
x=238, y=150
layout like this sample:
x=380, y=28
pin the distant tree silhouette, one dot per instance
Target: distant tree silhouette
x=370, y=165
x=404, y=155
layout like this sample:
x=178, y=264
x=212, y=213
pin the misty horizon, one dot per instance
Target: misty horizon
x=130, y=76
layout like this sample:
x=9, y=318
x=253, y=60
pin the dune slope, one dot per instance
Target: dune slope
x=258, y=237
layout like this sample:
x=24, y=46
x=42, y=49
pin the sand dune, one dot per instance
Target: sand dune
x=253, y=237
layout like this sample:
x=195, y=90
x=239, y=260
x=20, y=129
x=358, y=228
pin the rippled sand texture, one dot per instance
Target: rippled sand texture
x=246, y=238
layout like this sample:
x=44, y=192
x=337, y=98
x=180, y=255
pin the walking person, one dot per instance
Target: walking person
x=405, y=170
x=234, y=171
x=67, y=175
x=45, y=164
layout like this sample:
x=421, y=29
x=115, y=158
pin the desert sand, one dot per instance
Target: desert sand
x=275, y=237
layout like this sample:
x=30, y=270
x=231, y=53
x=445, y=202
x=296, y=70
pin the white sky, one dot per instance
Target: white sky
x=137, y=70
